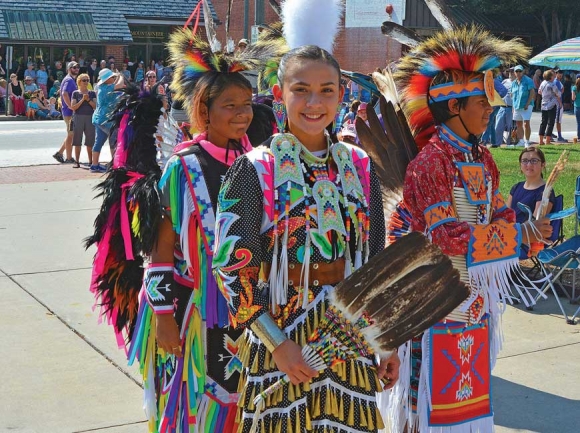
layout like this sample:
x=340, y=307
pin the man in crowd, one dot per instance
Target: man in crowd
x=503, y=119
x=523, y=95
x=560, y=106
x=67, y=87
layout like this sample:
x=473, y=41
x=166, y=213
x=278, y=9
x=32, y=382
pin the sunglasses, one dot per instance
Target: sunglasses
x=150, y=78
x=84, y=81
x=532, y=161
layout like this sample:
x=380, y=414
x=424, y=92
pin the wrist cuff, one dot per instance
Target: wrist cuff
x=268, y=332
x=158, y=281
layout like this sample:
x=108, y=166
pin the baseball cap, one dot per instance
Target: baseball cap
x=519, y=68
x=349, y=130
x=72, y=65
x=243, y=42
x=362, y=106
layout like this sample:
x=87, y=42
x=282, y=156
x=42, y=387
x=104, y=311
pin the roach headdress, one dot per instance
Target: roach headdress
x=466, y=54
x=193, y=57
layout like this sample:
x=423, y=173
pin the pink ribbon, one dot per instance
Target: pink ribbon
x=125, y=227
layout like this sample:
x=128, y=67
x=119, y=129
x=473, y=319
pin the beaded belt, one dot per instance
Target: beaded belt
x=320, y=273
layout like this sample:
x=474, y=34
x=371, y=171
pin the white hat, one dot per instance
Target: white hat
x=349, y=130
x=104, y=75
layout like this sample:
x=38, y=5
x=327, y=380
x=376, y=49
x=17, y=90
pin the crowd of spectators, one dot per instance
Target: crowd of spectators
x=25, y=80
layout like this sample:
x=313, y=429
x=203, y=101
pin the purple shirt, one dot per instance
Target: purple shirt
x=68, y=85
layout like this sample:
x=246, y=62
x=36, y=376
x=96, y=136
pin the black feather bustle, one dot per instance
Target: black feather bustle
x=117, y=286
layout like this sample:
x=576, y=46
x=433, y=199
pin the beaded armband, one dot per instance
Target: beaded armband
x=268, y=332
x=157, y=281
x=438, y=214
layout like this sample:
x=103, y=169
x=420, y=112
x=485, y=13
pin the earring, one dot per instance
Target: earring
x=337, y=122
x=279, y=110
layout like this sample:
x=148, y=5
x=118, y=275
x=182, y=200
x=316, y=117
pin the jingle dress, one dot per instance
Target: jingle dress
x=458, y=204
x=282, y=209
x=197, y=392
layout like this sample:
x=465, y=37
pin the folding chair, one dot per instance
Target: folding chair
x=561, y=258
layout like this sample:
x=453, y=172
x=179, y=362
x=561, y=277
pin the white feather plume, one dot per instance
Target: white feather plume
x=312, y=22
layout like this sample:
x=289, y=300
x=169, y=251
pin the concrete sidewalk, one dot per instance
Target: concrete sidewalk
x=64, y=372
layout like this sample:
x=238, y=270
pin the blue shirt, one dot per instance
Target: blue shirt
x=106, y=100
x=521, y=92
x=499, y=87
x=41, y=77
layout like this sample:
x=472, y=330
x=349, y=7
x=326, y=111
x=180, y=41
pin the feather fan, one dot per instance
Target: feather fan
x=390, y=151
x=380, y=307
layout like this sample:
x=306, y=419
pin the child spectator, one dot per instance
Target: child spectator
x=126, y=73
x=140, y=73
x=53, y=113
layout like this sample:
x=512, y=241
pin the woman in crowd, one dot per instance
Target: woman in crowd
x=34, y=108
x=150, y=80
x=529, y=192
x=83, y=104
x=272, y=236
x=576, y=102
x=16, y=95
x=139, y=75
x=219, y=104
x=109, y=84
x=550, y=103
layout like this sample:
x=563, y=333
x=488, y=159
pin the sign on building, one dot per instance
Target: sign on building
x=372, y=13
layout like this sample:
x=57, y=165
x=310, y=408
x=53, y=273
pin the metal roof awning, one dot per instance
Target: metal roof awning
x=50, y=26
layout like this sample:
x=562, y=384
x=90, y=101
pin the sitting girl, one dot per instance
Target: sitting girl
x=529, y=192
x=53, y=113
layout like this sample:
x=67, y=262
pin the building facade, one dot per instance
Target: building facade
x=53, y=30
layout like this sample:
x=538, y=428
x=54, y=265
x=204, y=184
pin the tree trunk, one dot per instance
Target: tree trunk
x=555, y=27
x=545, y=27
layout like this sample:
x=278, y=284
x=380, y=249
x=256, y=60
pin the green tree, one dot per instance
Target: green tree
x=557, y=18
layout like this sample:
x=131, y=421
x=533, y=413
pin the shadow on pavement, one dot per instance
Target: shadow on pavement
x=523, y=408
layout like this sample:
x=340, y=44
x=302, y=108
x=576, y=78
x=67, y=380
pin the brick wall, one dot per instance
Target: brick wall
x=118, y=52
x=356, y=49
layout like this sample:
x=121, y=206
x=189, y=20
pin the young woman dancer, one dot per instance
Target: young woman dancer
x=295, y=217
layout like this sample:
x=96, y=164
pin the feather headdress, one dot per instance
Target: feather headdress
x=463, y=52
x=301, y=25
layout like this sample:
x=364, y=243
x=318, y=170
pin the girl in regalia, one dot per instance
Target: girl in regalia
x=295, y=217
x=189, y=361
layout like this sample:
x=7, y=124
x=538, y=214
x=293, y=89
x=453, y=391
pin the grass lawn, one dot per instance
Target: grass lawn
x=507, y=161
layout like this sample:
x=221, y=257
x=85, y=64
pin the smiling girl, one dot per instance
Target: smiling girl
x=295, y=217
x=183, y=322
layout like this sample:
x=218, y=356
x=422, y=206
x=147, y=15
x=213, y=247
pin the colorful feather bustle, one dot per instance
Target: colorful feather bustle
x=462, y=50
x=126, y=227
